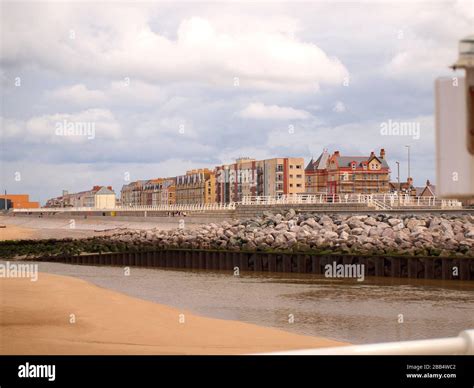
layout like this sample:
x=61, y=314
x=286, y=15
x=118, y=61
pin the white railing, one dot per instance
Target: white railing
x=166, y=208
x=463, y=344
x=380, y=201
x=405, y=200
x=304, y=199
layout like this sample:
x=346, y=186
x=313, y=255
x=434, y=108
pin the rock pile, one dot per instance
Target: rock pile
x=358, y=234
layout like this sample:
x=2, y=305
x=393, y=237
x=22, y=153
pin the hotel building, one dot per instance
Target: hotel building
x=358, y=174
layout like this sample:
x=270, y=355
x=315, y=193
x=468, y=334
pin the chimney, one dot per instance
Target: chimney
x=382, y=153
x=372, y=154
x=428, y=183
x=410, y=182
x=336, y=153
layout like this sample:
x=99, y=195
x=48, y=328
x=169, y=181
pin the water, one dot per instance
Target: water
x=346, y=310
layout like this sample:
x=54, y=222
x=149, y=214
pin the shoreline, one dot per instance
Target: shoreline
x=36, y=319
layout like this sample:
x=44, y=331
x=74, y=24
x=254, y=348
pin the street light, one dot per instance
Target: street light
x=398, y=179
x=408, y=149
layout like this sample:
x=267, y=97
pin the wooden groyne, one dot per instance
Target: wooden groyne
x=442, y=268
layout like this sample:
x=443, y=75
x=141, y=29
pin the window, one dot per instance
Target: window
x=353, y=166
x=291, y=166
x=299, y=176
x=298, y=166
x=298, y=185
x=291, y=184
x=291, y=175
x=280, y=167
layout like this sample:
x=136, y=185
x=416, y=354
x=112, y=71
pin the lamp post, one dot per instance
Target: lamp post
x=408, y=149
x=398, y=179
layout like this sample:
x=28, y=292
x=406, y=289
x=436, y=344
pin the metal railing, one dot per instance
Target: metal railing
x=165, y=208
x=379, y=201
x=289, y=199
x=463, y=344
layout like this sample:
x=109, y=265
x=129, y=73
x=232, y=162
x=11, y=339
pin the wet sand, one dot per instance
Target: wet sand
x=26, y=228
x=36, y=319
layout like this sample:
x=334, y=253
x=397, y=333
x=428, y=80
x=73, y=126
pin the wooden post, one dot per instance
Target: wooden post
x=429, y=268
x=446, y=269
x=379, y=266
x=244, y=261
x=412, y=267
x=396, y=267
x=271, y=263
x=464, y=269
x=315, y=264
x=257, y=262
x=286, y=263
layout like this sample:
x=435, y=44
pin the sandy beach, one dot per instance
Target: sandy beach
x=36, y=319
x=26, y=228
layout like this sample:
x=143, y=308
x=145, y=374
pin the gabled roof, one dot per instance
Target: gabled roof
x=345, y=161
x=105, y=190
x=320, y=163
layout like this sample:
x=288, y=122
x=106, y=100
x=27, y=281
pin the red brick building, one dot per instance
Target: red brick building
x=338, y=174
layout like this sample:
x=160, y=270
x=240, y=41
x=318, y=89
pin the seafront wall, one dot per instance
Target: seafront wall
x=442, y=268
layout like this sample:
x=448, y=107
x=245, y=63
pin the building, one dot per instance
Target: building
x=196, y=187
x=99, y=197
x=131, y=193
x=428, y=191
x=233, y=181
x=153, y=192
x=165, y=192
x=403, y=187
x=18, y=201
x=250, y=177
x=316, y=174
x=358, y=174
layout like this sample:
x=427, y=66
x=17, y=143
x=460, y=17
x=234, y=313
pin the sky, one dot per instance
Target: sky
x=104, y=93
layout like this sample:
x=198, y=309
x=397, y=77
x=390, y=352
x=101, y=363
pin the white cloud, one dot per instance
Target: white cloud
x=78, y=94
x=339, y=107
x=128, y=92
x=259, y=111
x=55, y=128
x=262, y=57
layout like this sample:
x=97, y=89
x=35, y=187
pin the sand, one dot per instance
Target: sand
x=22, y=228
x=13, y=232
x=35, y=318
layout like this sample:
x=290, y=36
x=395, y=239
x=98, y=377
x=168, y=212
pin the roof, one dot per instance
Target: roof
x=403, y=185
x=105, y=190
x=345, y=161
x=320, y=163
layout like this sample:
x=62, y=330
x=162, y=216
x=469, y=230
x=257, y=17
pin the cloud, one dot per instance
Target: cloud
x=128, y=92
x=57, y=128
x=78, y=94
x=259, y=111
x=265, y=59
x=339, y=107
